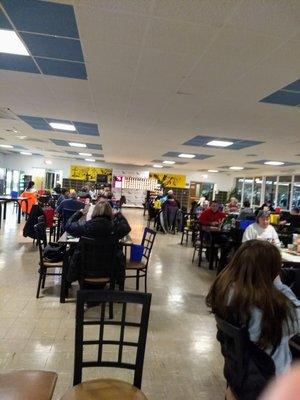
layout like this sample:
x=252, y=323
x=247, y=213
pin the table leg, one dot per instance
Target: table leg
x=26, y=215
x=64, y=283
x=4, y=210
x=19, y=212
x=212, y=252
x=0, y=214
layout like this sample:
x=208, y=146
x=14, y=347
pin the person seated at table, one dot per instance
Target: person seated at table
x=84, y=193
x=212, y=216
x=249, y=293
x=261, y=229
x=266, y=206
x=65, y=194
x=289, y=218
x=70, y=204
x=246, y=212
x=31, y=195
x=103, y=224
x=57, y=189
x=233, y=205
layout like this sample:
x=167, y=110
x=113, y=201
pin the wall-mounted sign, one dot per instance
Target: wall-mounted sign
x=169, y=180
x=86, y=173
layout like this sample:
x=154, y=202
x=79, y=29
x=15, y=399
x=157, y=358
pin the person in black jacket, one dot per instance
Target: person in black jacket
x=103, y=225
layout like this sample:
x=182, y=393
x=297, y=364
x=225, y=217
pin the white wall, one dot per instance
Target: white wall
x=29, y=163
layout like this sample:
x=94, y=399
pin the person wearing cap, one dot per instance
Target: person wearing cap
x=261, y=229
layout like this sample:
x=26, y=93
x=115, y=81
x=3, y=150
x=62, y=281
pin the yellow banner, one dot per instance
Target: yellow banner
x=86, y=173
x=169, y=180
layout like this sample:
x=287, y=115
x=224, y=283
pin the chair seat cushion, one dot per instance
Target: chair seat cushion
x=104, y=389
x=135, y=265
x=97, y=280
x=50, y=264
x=18, y=385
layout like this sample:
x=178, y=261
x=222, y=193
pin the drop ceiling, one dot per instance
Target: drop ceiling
x=158, y=74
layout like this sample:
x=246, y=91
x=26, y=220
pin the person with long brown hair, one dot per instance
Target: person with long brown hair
x=249, y=292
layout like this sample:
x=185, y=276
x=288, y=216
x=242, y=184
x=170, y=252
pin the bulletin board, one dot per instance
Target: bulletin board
x=87, y=173
x=169, y=180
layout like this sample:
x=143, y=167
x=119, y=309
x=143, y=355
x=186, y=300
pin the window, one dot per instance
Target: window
x=239, y=188
x=270, y=188
x=248, y=183
x=256, y=191
x=284, y=192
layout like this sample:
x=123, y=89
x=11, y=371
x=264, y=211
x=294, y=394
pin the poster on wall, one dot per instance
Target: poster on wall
x=169, y=180
x=87, y=173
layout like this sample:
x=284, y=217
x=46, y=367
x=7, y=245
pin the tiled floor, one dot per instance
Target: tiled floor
x=182, y=356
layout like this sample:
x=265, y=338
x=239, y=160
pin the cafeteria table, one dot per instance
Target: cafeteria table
x=18, y=201
x=289, y=259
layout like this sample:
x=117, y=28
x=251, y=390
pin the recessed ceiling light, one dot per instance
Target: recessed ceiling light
x=7, y=146
x=168, y=162
x=48, y=162
x=90, y=159
x=85, y=154
x=212, y=170
x=157, y=166
x=184, y=155
x=274, y=163
x=205, y=176
x=11, y=43
x=74, y=144
x=219, y=143
x=63, y=127
x=236, y=168
x=25, y=153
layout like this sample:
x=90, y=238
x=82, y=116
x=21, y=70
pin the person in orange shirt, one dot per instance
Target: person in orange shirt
x=30, y=194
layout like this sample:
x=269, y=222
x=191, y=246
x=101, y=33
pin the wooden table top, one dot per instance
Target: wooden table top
x=66, y=239
x=104, y=389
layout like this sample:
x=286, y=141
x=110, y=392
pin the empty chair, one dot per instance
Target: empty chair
x=201, y=243
x=132, y=318
x=27, y=385
x=141, y=267
x=45, y=265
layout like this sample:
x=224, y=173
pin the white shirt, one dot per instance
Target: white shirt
x=254, y=231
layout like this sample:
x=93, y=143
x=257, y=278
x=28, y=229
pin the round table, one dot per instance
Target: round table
x=104, y=389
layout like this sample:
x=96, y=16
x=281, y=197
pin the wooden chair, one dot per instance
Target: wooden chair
x=45, y=265
x=110, y=389
x=141, y=268
x=27, y=385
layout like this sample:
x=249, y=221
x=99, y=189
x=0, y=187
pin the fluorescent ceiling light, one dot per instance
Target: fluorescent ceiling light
x=157, y=166
x=219, y=143
x=274, y=163
x=168, y=162
x=236, y=168
x=184, y=155
x=212, y=170
x=63, y=127
x=11, y=43
x=48, y=162
x=85, y=154
x=25, y=153
x=7, y=146
x=90, y=159
x=74, y=144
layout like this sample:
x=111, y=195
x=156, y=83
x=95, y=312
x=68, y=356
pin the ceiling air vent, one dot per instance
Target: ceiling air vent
x=6, y=113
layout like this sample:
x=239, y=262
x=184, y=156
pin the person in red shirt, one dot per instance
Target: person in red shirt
x=212, y=216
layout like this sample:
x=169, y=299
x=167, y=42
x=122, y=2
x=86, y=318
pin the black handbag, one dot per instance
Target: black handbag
x=54, y=252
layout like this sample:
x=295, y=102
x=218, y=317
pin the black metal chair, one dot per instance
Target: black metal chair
x=45, y=265
x=65, y=215
x=126, y=303
x=98, y=262
x=141, y=268
x=201, y=243
x=237, y=349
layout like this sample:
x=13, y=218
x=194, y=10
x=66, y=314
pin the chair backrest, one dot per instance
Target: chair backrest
x=98, y=258
x=147, y=242
x=66, y=214
x=41, y=237
x=124, y=322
